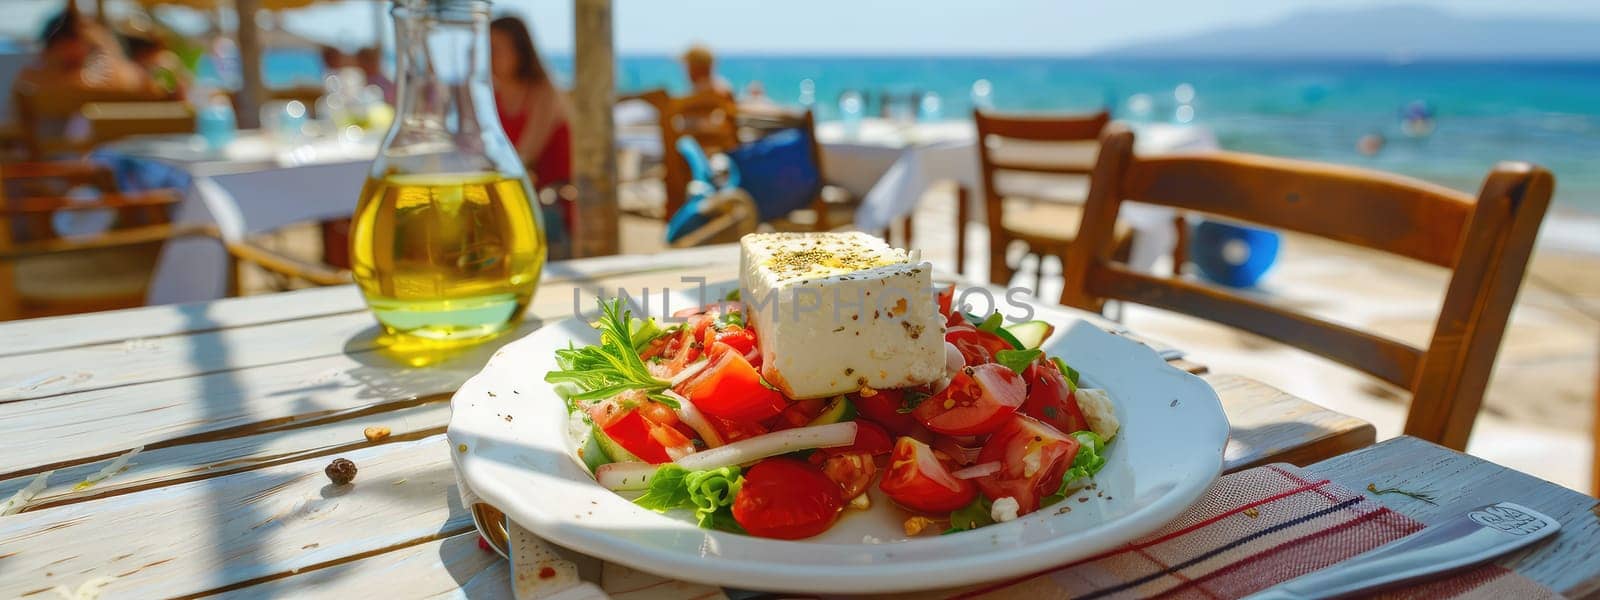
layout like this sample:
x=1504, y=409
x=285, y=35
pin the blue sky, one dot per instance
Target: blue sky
x=877, y=26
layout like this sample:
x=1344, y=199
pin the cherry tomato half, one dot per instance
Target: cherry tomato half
x=978, y=400
x=1032, y=457
x=871, y=440
x=786, y=499
x=883, y=408
x=1050, y=398
x=919, y=480
x=853, y=471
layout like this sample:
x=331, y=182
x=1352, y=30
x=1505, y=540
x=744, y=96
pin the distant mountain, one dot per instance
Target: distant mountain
x=1393, y=33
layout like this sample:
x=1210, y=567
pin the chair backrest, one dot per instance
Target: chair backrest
x=306, y=94
x=711, y=119
x=40, y=111
x=1485, y=241
x=1046, y=137
x=111, y=121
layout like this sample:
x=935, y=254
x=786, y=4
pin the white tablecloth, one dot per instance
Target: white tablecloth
x=255, y=185
x=891, y=165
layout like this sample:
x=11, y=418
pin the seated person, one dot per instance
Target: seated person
x=532, y=111
x=163, y=66
x=700, y=65
x=79, y=54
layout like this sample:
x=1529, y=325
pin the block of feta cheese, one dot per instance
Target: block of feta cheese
x=837, y=312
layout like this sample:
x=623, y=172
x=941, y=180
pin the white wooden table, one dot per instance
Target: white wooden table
x=239, y=404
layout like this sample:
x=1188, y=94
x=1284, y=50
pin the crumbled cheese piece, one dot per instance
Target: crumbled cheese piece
x=1004, y=509
x=1098, y=409
x=861, y=502
x=1030, y=464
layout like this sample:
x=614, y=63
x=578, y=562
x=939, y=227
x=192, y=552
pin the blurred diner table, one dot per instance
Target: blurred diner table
x=255, y=183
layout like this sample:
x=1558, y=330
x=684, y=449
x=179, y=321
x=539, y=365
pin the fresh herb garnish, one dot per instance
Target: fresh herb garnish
x=612, y=366
x=732, y=295
x=1017, y=360
x=971, y=516
x=910, y=399
x=1070, y=373
x=732, y=317
x=710, y=493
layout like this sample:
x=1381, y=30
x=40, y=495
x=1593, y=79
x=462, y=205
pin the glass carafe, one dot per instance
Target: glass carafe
x=446, y=243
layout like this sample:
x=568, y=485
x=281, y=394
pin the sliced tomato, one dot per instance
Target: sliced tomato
x=978, y=400
x=1050, y=397
x=739, y=338
x=1032, y=456
x=883, y=408
x=871, y=440
x=733, y=431
x=786, y=499
x=920, y=480
x=800, y=413
x=976, y=346
x=731, y=388
x=640, y=434
x=853, y=471
x=947, y=298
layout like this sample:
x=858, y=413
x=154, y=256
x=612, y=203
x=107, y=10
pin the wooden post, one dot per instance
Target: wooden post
x=594, y=157
x=249, y=39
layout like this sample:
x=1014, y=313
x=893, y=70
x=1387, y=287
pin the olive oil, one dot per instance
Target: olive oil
x=448, y=256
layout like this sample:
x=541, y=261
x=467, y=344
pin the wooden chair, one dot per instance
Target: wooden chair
x=1046, y=227
x=40, y=111
x=1485, y=242
x=710, y=119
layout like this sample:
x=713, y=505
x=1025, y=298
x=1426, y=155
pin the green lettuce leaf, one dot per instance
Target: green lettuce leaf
x=1090, y=459
x=709, y=493
x=971, y=516
x=1070, y=373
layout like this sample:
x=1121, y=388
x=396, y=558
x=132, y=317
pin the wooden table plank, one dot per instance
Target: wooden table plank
x=215, y=458
x=39, y=335
x=451, y=567
x=242, y=401
x=208, y=535
x=109, y=365
x=1270, y=425
x=1457, y=483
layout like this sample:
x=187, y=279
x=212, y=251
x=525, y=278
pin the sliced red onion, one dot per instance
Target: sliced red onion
x=691, y=416
x=953, y=360
x=976, y=471
x=962, y=454
x=771, y=444
x=693, y=369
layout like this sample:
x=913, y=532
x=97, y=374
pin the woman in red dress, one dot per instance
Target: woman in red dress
x=531, y=109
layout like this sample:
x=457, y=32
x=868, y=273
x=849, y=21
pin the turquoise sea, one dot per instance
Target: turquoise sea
x=1483, y=112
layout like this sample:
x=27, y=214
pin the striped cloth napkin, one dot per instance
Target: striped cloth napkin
x=1252, y=530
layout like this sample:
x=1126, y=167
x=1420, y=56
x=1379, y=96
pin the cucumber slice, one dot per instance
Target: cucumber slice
x=838, y=411
x=590, y=451
x=1030, y=334
x=610, y=448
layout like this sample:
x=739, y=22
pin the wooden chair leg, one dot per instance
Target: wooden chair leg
x=906, y=227
x=999, y=272
x=961, y=229
x=1594, y=481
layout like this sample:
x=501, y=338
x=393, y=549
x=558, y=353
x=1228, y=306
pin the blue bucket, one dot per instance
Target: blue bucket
x=1232, y=255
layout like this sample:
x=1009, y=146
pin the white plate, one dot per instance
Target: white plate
x=519, y=458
